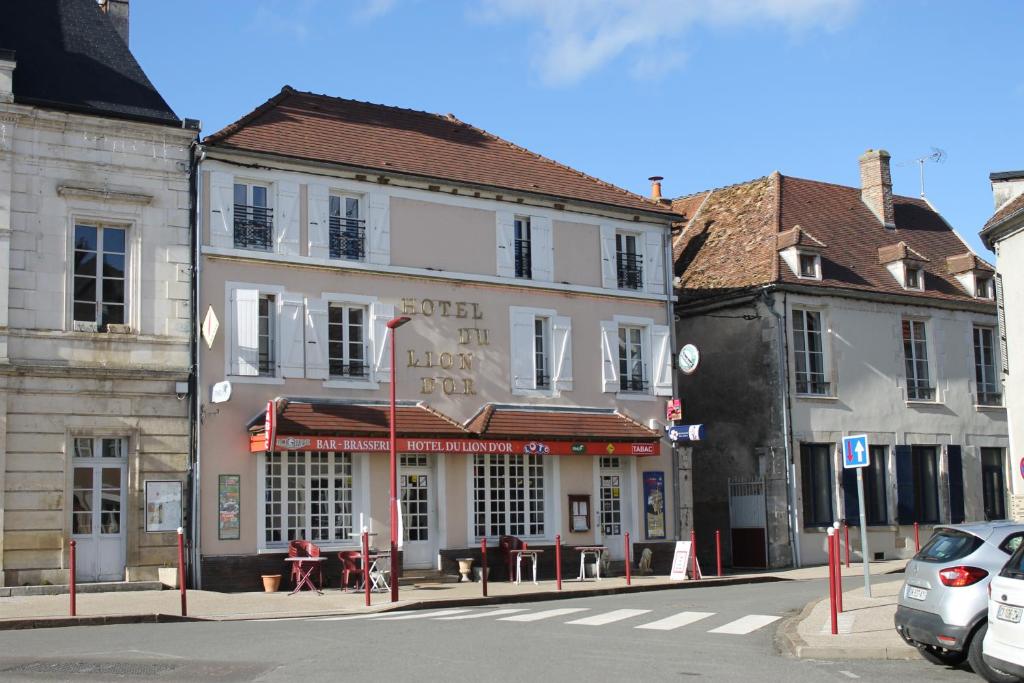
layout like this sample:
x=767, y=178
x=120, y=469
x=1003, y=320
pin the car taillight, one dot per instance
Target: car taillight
x=956, y=577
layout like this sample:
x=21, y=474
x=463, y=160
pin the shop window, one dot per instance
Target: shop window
x=610, y=494
x=508, y=495
x=307, y=496
x=816, y=483
x=993, y=485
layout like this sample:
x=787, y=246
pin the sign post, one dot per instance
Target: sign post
x=856, y=455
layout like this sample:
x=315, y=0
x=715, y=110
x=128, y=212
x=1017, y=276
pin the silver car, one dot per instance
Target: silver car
x=942, y=607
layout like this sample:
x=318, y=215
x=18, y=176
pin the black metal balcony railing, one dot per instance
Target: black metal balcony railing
x=356, y=368
x=254, y=227
x=634, y=383
x=990, y=398
x=523, y=259
x=919, y=390
x=813, y=386
x=347, y=238
x=630, y=271
x=543, y=381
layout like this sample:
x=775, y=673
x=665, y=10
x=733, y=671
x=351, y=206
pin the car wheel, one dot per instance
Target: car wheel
x=978, y=664
x=937, y=655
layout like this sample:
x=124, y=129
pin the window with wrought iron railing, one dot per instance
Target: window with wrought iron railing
x=346, y=230
x=254, y=227
x=523, y=252
x=628, y=262
x=632, y=365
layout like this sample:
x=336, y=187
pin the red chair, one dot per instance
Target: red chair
x=350, y=567
x=506, y=544
x=304, y=549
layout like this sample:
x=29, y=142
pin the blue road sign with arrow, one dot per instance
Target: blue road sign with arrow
x=855, y=451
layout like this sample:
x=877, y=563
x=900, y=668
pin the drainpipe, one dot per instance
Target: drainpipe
x=195, y=408
x=783, y=351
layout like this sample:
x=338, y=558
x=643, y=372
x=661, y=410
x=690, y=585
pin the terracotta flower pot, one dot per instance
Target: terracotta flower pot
x=271, y=582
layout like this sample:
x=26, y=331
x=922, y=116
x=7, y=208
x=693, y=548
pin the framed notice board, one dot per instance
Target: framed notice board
x=654, y=504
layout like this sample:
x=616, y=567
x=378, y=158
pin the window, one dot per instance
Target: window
x=267, y=364
x=542, y=352
x=629, y=262
x=875, y=498
x=254, y=220
x=983, y=288
x=307, y=496
x=993, y=486
x=610, y=504
x=347, y=341
x=809, y=266
x=914, y=278
x=347, y=229
x=524, y=258
x=985, y=367
x=632, y=369
x=915, y=353
x=816, y=483
x=925, y=472
x=99, y=273
x=96, y=490
x=508, y=495
x=809, y=356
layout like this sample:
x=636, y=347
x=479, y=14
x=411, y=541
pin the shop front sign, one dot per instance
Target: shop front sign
x=358, y=444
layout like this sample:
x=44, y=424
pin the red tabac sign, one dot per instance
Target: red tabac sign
x=362, y=444
x=269, y=426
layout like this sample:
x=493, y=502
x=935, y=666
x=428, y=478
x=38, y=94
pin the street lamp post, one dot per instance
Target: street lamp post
x=393, y=325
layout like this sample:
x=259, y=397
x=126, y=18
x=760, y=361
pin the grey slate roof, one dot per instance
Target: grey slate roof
x=70, y=57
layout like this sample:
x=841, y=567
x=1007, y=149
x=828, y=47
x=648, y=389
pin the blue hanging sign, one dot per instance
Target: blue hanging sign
x=685, y=432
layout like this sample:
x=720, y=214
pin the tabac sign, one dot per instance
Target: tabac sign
x=364, y=444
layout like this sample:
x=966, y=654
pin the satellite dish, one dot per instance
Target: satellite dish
x=221, y=392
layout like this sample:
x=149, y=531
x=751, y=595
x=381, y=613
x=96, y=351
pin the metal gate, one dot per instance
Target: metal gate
x=748, y=522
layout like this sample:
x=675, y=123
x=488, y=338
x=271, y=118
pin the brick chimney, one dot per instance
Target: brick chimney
x=656, y=187
x=117, y=11
x=876, y=185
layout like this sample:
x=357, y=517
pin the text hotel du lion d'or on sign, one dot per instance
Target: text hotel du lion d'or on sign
x=458, y=360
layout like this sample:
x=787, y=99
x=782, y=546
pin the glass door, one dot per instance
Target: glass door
x=97, y=508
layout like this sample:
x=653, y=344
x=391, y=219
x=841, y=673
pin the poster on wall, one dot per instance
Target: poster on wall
x=163, y=505
x=654, y=504
x=229, y=527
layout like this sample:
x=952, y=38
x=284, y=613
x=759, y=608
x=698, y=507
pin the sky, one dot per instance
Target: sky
x=706, y=93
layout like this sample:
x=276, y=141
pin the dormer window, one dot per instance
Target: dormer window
x=913, y=278
x=810, y=266
x=983, y=288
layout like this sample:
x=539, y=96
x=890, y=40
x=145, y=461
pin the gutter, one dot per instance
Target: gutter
x=195, y=407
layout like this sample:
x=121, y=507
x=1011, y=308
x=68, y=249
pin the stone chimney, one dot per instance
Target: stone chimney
x=117, y=11
x=876, y=185
x=1006, y=186
x=656, y=187
x=7, y=65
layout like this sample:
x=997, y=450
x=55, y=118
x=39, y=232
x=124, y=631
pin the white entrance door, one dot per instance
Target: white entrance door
x=419, y=532
x=612, y=505
x=97, y=508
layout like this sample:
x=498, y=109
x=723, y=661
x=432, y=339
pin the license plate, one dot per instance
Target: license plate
x=1008, y=613
x=915, y=593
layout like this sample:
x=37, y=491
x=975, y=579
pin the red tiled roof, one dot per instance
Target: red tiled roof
x=729, y=247
x=899, y=252
x=1005, y=211
x=961, y=263
x=371, y=419
x=580, y=424
x=798, y=237
x=394, y=140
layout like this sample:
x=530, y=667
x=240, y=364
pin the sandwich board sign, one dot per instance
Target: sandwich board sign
x=680, y=561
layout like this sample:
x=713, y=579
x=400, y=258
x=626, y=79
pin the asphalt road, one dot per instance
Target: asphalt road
x=726, y=634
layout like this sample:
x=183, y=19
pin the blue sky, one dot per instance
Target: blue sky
x=704, y=92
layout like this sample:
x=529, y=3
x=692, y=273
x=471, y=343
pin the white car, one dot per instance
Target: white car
x=1003, y=648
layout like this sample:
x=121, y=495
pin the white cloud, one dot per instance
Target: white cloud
x=577, y=37
x=371, y=9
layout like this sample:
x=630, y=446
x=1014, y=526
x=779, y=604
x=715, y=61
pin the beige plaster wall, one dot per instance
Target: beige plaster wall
x=430, y=235
x=577, y=253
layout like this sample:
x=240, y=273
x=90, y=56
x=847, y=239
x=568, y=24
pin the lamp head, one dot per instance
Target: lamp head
x=398, y=322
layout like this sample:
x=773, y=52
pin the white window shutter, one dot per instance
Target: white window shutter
x=222, y=209
x=542, y=255
x=318, y=211
x=654, y=263
x=286, y=218
x=293, y=341
x=610, y=356
x=561, y=350
x=379, y=231
x=523, y=368
x=316, y=339
x=609, y=267
x=506, y=239
x=661, y=346
x=380, y=314
x=245, y=338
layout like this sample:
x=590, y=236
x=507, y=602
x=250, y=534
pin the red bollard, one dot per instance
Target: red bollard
x=718, y=551
x=366, y=566
x=693, y=555
x=846, y=530
x=483, y=563
x=629, y=579
x=832, y=583
x=558, y=560
x=181, y=571
x=917, y=538
x=839, y=573
x=71, y=586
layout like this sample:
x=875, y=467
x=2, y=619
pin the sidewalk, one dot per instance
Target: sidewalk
x=40, y=611
x=866, y=628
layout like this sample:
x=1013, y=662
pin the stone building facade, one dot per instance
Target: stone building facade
x=95, y=301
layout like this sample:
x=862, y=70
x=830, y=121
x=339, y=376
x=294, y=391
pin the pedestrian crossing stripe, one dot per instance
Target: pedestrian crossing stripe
x=423, y=615
x=479, y=615
x=676, y=621
x=745, y=625
x=546, y=614
x=609, y=617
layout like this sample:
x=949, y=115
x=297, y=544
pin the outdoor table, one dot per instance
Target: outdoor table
x=596, y=551
x=379, y=571
x=534, y=557
x=306, y=567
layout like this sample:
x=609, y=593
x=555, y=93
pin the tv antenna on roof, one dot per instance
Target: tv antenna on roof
x=937, y=156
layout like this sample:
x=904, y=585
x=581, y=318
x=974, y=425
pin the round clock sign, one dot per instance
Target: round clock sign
x=689, y=358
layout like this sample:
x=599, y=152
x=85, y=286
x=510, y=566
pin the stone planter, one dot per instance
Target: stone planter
x=168, y=576
x=271, y=582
